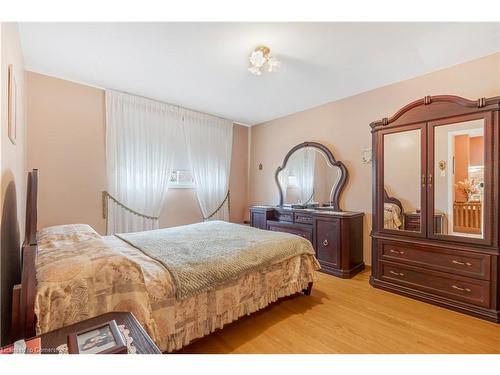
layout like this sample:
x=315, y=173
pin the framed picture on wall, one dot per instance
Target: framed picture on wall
x=12, y=105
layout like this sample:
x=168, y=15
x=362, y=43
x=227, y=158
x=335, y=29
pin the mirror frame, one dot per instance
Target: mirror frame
x=334, y=203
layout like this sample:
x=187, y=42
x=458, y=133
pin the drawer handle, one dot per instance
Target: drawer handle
x=397, y=273
x=461, y=263
x=396, y=251
x=461, y=289
x=325, y=243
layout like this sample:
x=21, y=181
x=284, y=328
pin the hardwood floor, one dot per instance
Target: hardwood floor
x=349, y=316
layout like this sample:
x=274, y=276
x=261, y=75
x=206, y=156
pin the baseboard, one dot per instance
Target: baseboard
x=344, y=274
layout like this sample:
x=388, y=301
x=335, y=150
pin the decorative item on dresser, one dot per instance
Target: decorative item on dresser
x=422, y=155
x=310, y=182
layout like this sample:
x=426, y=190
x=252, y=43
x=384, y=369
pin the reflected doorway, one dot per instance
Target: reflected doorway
x=464, y=174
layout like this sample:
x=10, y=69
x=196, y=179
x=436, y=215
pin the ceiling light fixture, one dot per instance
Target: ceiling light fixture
x=261, y=56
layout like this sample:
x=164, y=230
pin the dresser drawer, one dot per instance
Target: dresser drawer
x=457, y=288
x=413, y=228
x=454, y=261
x=284, y=216
x=291, y=228
x=303, y=218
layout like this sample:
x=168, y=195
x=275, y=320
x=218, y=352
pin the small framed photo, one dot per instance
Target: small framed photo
x=102, y=339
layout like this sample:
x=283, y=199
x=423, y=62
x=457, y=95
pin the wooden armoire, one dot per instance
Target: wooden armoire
x=435, y=233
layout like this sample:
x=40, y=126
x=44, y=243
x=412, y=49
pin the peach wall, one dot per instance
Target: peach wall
x=66, y=141
x=66, y=130
x=343, y=126
x=476, y=150
x=13, y=179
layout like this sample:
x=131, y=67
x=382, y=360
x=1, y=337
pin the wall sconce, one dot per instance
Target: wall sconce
x=366, y=155
x=442, y=167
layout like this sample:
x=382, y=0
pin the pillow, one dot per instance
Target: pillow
x=59, y=234
x=394, y=208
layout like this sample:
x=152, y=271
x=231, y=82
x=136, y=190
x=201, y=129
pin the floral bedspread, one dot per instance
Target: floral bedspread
x=81, y=275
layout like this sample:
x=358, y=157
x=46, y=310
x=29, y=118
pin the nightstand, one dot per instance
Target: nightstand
x=138, y=341
x=412, y=222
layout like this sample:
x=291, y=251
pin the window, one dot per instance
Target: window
x=182, y=173
x=181, y=178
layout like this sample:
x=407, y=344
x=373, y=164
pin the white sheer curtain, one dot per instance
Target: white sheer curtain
x=305, y=174
x=209, y=142
x=139, y=136
x=283, y=177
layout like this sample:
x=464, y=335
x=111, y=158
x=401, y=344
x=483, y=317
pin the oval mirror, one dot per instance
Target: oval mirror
x=310, y=177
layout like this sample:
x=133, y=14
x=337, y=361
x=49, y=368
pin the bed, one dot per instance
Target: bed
x=180, y=283
x=393, y=212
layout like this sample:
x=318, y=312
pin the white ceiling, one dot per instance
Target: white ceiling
x=203, y=66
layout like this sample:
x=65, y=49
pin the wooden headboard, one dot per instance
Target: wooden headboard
x=396, y=201
x=23, y=304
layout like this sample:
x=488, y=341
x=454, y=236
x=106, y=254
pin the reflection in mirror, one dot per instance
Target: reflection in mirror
x=308, y=178
x=459, y=178
x=402, y=176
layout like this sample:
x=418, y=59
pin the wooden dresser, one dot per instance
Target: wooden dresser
x=441, y=255
x=337, y=237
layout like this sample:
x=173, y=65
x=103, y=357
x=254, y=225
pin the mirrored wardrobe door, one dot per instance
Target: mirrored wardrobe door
x=460, y=178
x=403, y=181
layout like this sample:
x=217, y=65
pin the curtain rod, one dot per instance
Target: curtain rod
x=175, y=105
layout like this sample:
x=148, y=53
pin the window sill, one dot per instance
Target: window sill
x=181, y=187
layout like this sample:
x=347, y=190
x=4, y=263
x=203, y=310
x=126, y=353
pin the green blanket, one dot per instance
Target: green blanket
x=205, y=255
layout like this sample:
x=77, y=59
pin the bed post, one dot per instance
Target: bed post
x=308, y=290
x=23, y=304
